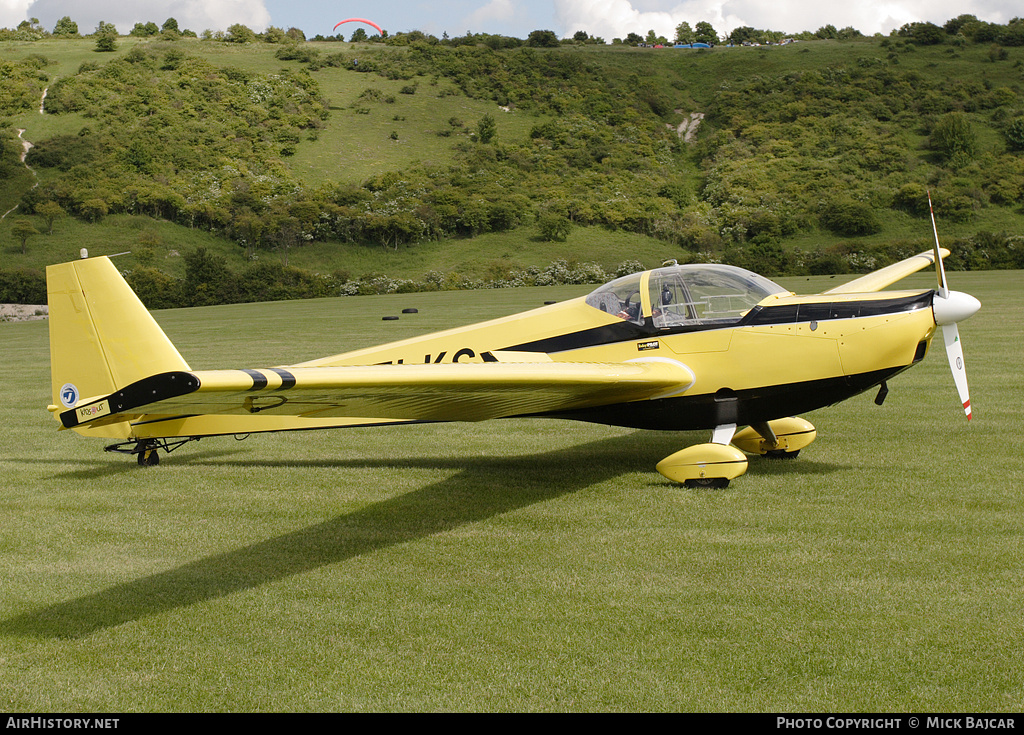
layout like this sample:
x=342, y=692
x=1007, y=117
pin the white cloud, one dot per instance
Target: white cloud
x=503, y=17
x=197, y=15
x=496, y=10
x=12, y=12
x=615, y=18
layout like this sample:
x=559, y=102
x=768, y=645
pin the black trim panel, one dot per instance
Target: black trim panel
x=743, y=407
x=823, y=311
x=603, y=335
x=155, y=388
x=758, y=316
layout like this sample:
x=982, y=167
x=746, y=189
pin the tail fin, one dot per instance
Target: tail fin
x=101, y=336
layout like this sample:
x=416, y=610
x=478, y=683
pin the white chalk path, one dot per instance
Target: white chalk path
x=26, y=146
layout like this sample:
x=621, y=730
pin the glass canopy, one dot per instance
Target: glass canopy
x=684, y=295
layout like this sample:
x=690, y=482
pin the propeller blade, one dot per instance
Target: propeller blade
x=950, y=307
x=940, y=270
x=955, y=353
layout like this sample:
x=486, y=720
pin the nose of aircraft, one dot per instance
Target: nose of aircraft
x=955, y=307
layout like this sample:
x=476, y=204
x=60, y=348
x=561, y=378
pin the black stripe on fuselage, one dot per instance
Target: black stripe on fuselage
x=603, y=335
x=287, y=378
x=741, y=407
x=259, y=380
x=818, y=311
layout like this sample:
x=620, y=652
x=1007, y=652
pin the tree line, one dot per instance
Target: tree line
x=965, y=26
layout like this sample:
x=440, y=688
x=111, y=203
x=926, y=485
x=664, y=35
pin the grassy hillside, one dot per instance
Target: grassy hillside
x=366, y=158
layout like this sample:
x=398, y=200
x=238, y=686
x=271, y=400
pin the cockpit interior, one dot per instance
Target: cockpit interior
x=684, y=296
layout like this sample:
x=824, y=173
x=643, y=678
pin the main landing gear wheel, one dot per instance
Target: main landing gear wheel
x=705, y=465
x=147, y=456
x=781, y=454
x=776, y=439
x=717, y=483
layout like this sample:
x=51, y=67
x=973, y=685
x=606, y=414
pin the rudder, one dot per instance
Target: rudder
x=102, y=338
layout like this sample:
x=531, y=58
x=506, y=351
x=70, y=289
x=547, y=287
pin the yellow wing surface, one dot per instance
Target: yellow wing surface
x=454, y=392
x=889, y=275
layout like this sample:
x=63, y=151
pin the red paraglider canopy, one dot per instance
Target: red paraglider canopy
x=360, y=20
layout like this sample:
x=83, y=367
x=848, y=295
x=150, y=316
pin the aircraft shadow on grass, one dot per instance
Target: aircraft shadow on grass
x=486, y=487
x=95, y=469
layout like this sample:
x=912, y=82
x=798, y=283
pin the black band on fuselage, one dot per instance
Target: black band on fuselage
x=742, y=407
x=823, y=311
x=287, y=379
x=603, y=335
x=758, y=316
x=259, y=380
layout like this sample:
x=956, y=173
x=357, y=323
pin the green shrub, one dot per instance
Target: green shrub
x=22, y=286
x=849, y=217
x=912, y=198
x=553, y=226
x=155, y=289
x=825, y=262
x=766, y=258
x=953, y=137
x=208, y=280
x=106, y=42
x=1015, y=135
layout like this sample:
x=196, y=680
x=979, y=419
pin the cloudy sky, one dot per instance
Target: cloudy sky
x=605, y=18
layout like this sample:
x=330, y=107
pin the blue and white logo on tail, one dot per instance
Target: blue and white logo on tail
x=69, y=395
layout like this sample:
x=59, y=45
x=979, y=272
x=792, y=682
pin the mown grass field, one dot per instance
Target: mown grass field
x=520, y=565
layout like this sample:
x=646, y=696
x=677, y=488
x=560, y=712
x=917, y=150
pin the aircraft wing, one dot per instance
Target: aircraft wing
x=887, y=276
x=434, y=392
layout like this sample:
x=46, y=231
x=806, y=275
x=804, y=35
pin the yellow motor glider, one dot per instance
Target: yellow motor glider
x=674, y=348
